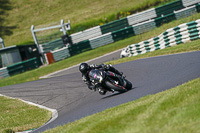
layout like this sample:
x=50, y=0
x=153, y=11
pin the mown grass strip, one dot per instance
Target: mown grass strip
x=175, y=110
x=18, y=116
x=181, y=48
x=135, y=113
x=17, y=16
x=182, y=115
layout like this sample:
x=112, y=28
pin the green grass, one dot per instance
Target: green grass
x=17, y=16
x=175, y=116
x=175, y=110
x=35, y=74
x=19, y=116
x=181, y=48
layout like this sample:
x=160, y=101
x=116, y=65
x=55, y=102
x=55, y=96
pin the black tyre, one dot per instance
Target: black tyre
x=128, y=85
x=102, y=92
x=115, y=86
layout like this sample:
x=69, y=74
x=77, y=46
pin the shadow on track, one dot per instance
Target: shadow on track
x=115, y=94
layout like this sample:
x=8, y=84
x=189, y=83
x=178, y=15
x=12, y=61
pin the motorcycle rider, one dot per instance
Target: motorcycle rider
x=84, y=68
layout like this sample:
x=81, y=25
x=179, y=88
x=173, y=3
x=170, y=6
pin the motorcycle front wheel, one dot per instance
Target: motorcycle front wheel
x=115, y=86
x=128, y=85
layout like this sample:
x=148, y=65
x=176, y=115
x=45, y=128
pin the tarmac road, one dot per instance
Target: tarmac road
x=73, y=100
x=99, y=60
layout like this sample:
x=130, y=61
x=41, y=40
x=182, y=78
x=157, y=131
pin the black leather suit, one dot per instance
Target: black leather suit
x=85, y=76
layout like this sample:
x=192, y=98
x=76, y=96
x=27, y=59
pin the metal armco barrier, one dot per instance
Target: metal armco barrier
x=120, y=29
x=186, y=12
x=115, y=25
x=187, y=3
x=144, y=27
x=60, y=54
x=134, y=19
x=101, y=40
x=141, y=17
x=169, y=8
x=50, y=46
x=19, y=67
x=86, y=34
x=23, y=66
x=4, y=72
x=171, y=37
x=130, y=26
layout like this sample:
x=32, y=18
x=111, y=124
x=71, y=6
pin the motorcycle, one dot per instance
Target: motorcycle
x=108, y=81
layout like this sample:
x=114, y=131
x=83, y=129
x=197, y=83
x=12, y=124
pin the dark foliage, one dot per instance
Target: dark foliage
x=5, y=30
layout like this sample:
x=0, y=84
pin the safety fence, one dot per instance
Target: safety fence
x=122, y=33
x=171, y=37
x=61, y=54
x=4, y=72
x=53, y=45
x=187, y=3
x=19, y=67
x=141, y=22
x=134, y=19
x=85, y=35
x=147, y=22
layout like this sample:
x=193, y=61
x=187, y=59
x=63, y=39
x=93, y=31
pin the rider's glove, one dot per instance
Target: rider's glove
x=121, y=73
x=94, y=88
x=102, y=66
x=107, y=67
x=92, y=66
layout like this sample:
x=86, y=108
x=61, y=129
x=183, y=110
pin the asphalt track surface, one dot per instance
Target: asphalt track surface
x=73, y=100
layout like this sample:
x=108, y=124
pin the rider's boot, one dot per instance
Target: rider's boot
x=102, y=91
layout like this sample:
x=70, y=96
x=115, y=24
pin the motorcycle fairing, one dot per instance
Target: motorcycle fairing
x=96, y=75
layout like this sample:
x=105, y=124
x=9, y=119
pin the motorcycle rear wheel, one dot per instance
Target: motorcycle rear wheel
x=115, y=86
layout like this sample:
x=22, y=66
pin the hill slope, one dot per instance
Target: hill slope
x=17, y=16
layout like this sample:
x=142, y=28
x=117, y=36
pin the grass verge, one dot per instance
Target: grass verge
x=181, y=48
x=137, y=109
x=18, y=116
x=17, y=16
x=175, y=110
x=35, y=74
x=176, y=114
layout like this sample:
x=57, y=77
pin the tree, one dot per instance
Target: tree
x=5, y=6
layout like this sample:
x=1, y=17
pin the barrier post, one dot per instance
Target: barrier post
x=2, y=43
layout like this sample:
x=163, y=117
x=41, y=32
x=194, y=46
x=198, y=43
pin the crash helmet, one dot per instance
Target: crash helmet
x=83, y=67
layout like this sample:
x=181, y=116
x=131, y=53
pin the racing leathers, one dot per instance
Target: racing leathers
x=85, y=76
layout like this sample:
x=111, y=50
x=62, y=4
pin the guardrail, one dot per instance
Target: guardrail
x=120, y=29
x=86, y=34
x=23, y=66
x=61, y=54
x=148, y=25
x=132, y=27
x=187, y=3
x=133, y=19
x=171, y=37
x=52, y=45
x=19, y=67
x=4, y=73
